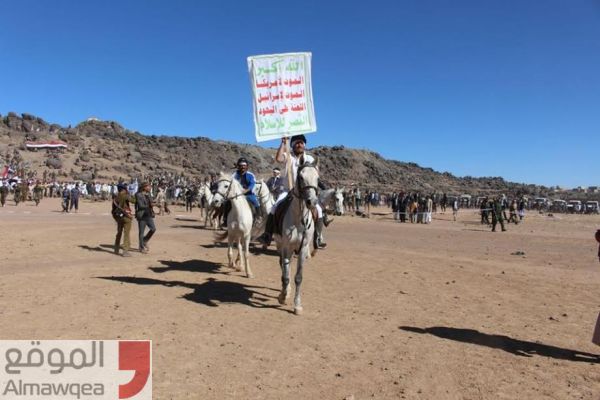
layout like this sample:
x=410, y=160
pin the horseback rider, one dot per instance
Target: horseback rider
x=292, y=162
x=248, y=181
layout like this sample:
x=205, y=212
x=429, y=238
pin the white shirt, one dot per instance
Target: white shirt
x=295, y=164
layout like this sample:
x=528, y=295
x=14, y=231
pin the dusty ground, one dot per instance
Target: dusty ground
x=391, y=310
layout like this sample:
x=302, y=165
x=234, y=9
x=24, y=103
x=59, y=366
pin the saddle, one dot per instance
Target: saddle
x=280, y=213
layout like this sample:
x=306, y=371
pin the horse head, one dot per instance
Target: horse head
x=307, y=183
x=223, y=189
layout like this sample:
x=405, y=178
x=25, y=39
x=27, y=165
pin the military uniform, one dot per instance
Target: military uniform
x=38, y=193
x=123, y=217
x=497, y=215
x=3, y=194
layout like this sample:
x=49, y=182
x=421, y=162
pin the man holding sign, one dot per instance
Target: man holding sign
x=283, y=106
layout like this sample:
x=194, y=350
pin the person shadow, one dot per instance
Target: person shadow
x=211, y=293
x=517, y=347
x=101, y=248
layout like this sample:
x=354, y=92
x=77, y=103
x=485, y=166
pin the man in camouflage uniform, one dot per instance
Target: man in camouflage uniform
x=497, y=214
x=38, y=193
x=3, y=193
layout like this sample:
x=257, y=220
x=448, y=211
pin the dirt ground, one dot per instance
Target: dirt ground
x=391, y=311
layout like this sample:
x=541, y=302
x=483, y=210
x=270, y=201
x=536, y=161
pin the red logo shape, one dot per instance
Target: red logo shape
x=134, y=356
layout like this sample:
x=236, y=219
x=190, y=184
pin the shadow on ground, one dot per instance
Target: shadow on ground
x=517, y=347
x=211, y=293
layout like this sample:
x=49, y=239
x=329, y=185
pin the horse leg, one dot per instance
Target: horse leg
x=230, y=252
x=284, y=262
x=239, y=259
x=247, y=257
x=298, y=279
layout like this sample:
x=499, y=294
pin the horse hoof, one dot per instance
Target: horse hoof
x=282, y=298
x=298, y=310
x=250, y=276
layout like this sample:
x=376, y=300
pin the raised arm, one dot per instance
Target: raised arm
x=280, y=157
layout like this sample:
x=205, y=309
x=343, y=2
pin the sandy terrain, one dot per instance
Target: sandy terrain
x=440, y=311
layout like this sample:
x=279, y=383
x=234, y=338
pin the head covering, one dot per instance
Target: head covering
x=242, y=160
x=121, y=186
x=295, y=138
x=276, y=169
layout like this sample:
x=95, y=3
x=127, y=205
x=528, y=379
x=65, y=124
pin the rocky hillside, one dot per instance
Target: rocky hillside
x=105, y=151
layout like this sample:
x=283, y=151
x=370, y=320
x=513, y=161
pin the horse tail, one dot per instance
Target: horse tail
x=220, y=237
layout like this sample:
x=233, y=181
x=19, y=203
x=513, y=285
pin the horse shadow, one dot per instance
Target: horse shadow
x=188, y=266
x=211, y=293
x=517, y=347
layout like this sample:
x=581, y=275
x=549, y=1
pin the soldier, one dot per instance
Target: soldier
x=38, y=193
x=3, y=192
x=513, y=212
x=66, y=198
x=485, y=219
x=497, y=214
x=121, y=212
x=144, y=213
x=17, y=195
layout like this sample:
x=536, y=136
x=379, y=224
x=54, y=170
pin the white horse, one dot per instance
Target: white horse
x=205, y=192
x=339, y=201
x=297, y=230
x=266, y=201
x=239, y=221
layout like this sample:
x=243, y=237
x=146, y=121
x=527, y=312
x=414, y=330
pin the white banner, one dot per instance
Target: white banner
x=282, y=95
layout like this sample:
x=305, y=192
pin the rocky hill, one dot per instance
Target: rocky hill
x=105, y=151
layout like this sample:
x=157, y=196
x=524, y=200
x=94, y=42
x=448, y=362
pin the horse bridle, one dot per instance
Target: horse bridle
x=301, y=189
x=226, y=196
x=260, y=191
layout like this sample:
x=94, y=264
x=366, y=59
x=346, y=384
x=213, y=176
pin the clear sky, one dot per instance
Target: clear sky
x=505, y=88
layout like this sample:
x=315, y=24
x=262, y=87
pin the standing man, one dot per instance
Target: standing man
x=75, y=193
x=121, y=212
x=484, y=212
x=66, y=197
x=444, y=202
x=497, y=214
x=189, y=198
x=455, y=209
x=38, y=193
x=161, y=201
x=144, y=213
x=3, y=192
x=275, y=183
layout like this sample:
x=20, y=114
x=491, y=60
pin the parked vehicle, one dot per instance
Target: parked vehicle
x=592, y=207
x=559, y=205
x=575, y=207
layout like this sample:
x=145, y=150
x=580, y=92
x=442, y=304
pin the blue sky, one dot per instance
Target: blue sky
x=481, y=88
